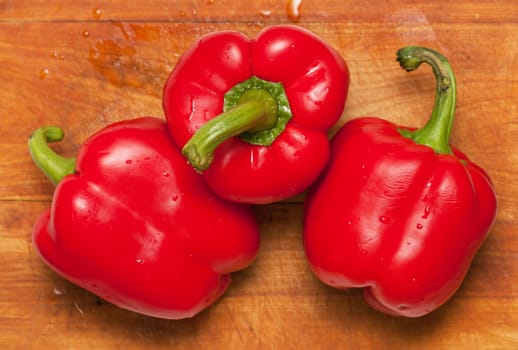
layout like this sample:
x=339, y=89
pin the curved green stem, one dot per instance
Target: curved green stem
x=256, y=110
x=436, y=132
x=54, y=166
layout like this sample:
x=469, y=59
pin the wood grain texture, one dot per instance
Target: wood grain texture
x=83, y=65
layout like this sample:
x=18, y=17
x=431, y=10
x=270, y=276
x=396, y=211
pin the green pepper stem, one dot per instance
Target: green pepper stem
x=255, y=111
x=436, y=132
x=54, y=166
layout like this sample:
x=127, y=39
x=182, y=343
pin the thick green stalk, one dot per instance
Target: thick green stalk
x=54, y=166
x=436, y=132
x=255, y=110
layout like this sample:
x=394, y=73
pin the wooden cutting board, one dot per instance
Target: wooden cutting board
x=82, y=65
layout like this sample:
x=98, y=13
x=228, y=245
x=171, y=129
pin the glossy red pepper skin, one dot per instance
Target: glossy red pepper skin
x=315, y=79
x=396, y=218
x=137, y=226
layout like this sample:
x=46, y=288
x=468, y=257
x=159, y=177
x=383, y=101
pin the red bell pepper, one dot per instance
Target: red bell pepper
x=133, y=223
x=398, y=211
x=279, y=94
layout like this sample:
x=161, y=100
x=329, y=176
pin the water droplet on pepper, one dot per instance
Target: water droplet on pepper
x=426, y=212
x=384, y=220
